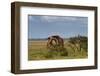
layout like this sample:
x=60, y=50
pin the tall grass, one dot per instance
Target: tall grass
x=37, y=50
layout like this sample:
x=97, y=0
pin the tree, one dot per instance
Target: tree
x=78, y=43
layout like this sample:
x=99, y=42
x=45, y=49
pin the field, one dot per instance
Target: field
x=37, y=50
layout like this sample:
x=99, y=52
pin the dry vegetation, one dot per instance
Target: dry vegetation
x=37, y=50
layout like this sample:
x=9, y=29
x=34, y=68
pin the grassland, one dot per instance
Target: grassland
x=37, y=50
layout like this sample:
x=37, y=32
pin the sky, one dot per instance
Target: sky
x=64, y=26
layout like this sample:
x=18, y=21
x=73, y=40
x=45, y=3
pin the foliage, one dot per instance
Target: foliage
x=79, y=42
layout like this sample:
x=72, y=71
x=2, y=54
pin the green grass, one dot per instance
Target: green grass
x=37, y=50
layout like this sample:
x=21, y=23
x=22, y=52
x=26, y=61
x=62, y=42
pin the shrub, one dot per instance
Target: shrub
x=57, y=51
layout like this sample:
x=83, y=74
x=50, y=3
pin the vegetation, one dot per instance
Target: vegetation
x=74, y=48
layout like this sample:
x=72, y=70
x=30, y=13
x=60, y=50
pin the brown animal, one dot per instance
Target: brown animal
x=55, y=40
